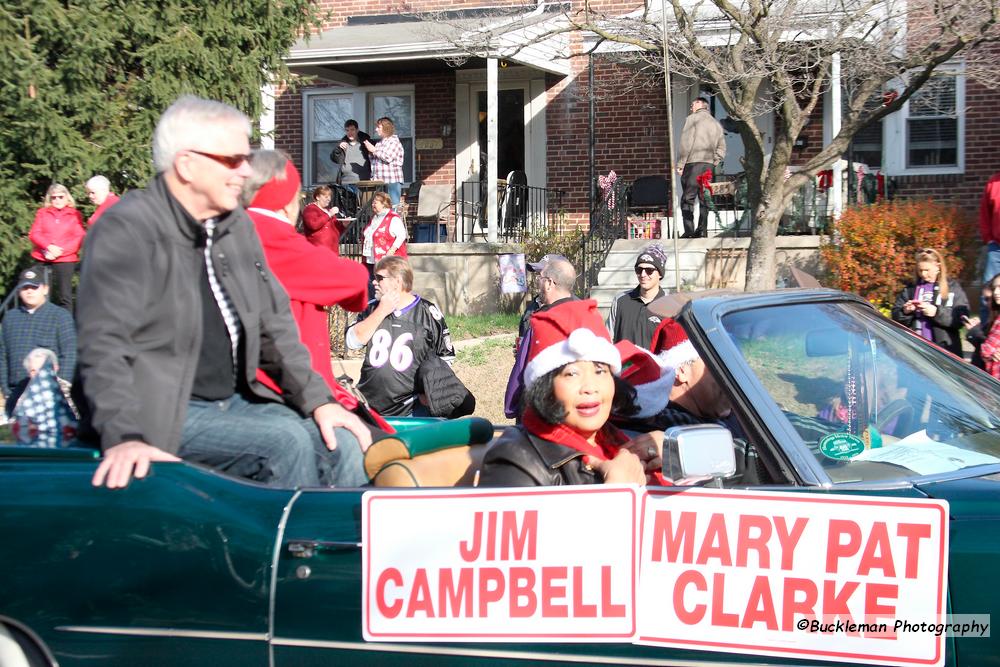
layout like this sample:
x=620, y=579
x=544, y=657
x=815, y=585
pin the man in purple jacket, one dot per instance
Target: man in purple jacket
x=555, y=277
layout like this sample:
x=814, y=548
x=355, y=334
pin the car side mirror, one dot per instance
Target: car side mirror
x=704, y=450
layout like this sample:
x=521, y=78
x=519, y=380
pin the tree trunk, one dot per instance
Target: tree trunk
x=761, y=254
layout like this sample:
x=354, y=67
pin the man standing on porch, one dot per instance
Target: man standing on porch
x=703, y=145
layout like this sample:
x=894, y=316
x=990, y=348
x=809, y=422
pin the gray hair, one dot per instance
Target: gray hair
x=266, y=165
x=561, y=273
x=43, y=353
x=187, y=120
x=99, y=183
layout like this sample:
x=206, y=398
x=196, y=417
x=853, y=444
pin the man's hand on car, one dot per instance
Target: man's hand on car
x=127, y=460
x=331, y=415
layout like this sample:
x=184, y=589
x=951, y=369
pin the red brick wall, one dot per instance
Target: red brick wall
x=630, y=130
x=336, y=12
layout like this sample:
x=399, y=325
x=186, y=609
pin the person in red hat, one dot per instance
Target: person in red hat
x=571, y=387
x=313, y=276
x=692, y=397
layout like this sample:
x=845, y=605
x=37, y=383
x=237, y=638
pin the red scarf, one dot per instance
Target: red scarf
x=609, y=441
x=609, y=438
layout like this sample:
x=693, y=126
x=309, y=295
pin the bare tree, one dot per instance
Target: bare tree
x=760, y=56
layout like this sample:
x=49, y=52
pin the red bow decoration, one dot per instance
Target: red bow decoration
x=825, y=181
x=879, y=185
x=705, y=181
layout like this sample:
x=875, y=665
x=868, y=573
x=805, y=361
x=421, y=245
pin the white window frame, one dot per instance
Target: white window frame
x=362, y=113
x=894, y=132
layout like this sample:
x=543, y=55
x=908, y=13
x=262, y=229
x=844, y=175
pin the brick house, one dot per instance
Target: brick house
x=367, y=62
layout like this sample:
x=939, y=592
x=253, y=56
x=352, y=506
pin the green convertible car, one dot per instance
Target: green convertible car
x=190, y=567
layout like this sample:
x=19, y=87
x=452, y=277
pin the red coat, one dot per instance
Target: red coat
x=314, y=278
x=322, y=228
x=59, y=226
x=989, y=211
x=108, y=202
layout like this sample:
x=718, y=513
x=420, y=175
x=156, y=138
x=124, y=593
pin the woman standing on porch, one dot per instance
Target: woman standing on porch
x=387, y=158
x=385, y=235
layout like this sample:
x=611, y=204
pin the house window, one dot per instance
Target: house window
x=927, y=136
x=932, y=124
x=326, y=110
x=398, y=107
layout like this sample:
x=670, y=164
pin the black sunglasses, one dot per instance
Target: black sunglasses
x=379, y=278
x=230, y=161
x=648, y=270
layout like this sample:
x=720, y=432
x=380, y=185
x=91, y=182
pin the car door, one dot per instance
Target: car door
x=174, y=569
x=318, y=615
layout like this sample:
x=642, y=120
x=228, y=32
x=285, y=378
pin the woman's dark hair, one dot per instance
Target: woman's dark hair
x=994, y=309
x=541, y=397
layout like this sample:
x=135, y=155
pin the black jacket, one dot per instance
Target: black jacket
x=519, y=458
x=339, y=156
x=140, y=324
x=446, y=395
x=946, y=323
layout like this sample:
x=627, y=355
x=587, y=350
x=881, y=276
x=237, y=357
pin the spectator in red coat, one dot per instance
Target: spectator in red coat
x=322, y=227
x=57, y=235
x=313, y=276
x=100, y=195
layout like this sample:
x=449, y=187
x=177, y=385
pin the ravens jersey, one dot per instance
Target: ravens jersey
x=395, y=352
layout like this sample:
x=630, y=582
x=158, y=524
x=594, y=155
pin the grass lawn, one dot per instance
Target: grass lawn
x=464, y=327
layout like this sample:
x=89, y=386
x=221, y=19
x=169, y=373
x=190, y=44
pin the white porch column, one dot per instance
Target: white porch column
x=491, y=149
x=267, y=117
x=836, y=115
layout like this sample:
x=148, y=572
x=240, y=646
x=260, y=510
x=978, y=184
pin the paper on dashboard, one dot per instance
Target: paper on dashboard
x=924, y=456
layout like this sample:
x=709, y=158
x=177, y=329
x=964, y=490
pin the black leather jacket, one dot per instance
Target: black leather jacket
x=519, y=458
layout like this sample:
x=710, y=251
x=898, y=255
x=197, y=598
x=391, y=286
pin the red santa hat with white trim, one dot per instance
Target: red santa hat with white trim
x=651, y=376
x=671, y=344
x=571, y=331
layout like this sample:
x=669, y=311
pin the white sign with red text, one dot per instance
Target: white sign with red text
x=793, y=574
x=532, y=565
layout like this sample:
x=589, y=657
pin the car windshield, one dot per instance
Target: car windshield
x=869, y=400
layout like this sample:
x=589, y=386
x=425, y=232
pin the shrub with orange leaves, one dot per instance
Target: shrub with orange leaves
x=872, y=248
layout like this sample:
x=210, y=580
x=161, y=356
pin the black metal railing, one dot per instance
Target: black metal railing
x=522, y=210
x=608, y=223
x=352, y=238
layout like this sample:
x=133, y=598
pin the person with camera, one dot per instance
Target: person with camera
x=933, y=305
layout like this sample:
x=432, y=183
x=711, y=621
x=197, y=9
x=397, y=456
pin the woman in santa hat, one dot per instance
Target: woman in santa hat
x=571, y=386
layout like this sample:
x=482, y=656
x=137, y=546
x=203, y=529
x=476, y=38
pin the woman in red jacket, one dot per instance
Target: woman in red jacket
x=322, y=227
x=312, y=276
x=57, y=235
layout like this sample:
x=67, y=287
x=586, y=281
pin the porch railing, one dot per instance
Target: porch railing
x=522, y=210
x=608, y=223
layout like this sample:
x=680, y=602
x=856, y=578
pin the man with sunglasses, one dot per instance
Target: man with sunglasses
x=630, y=319
x=35, y=323
x=178, y=310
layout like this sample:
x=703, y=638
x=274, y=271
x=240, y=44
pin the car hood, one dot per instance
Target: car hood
x=972, y=497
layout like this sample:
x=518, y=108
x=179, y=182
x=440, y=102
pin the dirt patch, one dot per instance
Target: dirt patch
x=484, y=368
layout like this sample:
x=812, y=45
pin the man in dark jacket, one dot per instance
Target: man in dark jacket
x=178, y=311
x=352, y=156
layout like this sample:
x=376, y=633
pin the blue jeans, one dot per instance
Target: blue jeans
x=394, y=190
x=269, y=443
x=990, y=269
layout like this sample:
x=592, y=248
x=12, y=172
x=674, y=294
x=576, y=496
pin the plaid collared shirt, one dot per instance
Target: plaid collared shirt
x=49, y=326
x=387, y=160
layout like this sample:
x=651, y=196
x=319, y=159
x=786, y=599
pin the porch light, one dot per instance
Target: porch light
x=445, y=129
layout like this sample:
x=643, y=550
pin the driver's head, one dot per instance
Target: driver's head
x=694, y=388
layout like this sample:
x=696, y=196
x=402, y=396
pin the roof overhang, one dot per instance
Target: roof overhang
x=523, y=39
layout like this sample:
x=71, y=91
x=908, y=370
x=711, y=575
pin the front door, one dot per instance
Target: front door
x=510, y=132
